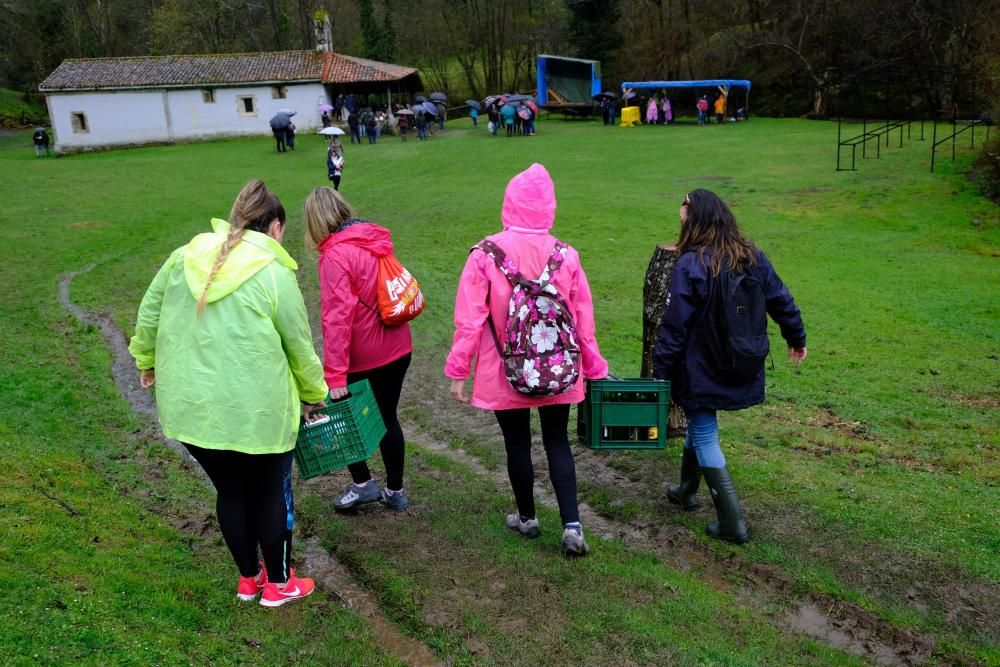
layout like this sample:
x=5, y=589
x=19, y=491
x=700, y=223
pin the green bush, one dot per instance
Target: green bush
x=987, y=171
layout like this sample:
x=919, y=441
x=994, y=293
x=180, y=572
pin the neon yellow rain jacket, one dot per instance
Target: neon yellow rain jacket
x=233, y=377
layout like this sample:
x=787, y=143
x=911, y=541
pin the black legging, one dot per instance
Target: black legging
x=254, y=506
x=387, y=383
x=516, y=428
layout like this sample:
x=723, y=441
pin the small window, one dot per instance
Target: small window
x=279, y=93
x=208, y=96
x=246, y=106
x=79, y=120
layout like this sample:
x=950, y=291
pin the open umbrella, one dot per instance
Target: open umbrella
x=287, y=112
x=531, y=105
x=439, y=97
x=474, y=104
x=430, y=108
x=628, y=96
x=280, y=121
x=607, y=94
x=404, y=112
x=331, y=131
x=419, y=98
x=518, y=98
x=322, y=108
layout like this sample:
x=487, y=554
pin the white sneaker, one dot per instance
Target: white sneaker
x=527, y=528
x=573, y=543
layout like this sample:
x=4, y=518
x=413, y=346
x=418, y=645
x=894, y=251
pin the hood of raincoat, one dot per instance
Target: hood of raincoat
x=373, y=238
x=529, y=204
x=251, y=254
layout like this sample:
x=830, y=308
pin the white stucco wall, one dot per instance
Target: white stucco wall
x=191, y=117
x=112, y=118
x=147, y=116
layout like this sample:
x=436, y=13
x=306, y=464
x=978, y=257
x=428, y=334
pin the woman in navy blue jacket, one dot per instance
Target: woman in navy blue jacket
x=712, y=250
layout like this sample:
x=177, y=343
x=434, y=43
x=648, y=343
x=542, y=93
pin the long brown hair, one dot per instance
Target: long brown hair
x=255, y=209
x=711, y=228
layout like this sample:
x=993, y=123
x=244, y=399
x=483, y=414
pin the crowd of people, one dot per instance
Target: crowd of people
x=660, y=109
x=223, y=333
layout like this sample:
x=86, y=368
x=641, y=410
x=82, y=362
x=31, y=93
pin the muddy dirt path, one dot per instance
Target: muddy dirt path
x=842, y=625
x=332, y=577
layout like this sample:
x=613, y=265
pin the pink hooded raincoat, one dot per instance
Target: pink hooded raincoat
x=354, y=338
x=529, y=210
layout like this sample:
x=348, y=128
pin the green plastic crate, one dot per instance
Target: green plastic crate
x=352, y=432
x=619, y=413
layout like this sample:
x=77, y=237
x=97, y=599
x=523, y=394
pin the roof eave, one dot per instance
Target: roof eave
x=174, y=86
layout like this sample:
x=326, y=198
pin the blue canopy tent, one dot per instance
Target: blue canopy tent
x=703, y=83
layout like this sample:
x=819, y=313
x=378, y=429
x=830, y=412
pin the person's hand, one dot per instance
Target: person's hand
x=147, y=378
x=337, y=392
x=308, y=408
x=457, y=390
x=797, y=355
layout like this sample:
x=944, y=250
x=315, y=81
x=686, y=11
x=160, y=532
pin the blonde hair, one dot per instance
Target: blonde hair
x=325, y=211
x=255, y=208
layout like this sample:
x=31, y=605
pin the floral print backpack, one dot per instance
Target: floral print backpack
x=540, y=354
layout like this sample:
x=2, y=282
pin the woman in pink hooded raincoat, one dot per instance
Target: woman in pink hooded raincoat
x=529, y=210
x=357, y=345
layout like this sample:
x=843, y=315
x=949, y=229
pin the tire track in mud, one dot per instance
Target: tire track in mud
x=331, y=576
x=842, y=625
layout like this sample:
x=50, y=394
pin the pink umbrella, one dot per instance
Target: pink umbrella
x=324, y=107
x=532, y=106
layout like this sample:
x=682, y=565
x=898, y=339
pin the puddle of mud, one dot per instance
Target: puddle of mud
x=849, y=631
x=332, y=577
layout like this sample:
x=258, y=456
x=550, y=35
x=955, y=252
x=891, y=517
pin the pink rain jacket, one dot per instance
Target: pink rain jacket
x=354, y=338
x=529, y=209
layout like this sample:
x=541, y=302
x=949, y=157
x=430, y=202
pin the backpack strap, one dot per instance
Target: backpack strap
x=497, y=254
x=559, y=251
x=499, y=257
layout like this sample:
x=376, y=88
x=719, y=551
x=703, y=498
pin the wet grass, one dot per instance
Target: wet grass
x=871, y=474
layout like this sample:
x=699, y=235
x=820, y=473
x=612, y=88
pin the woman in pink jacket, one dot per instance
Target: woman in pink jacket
x=529, y=209
x=356, y=344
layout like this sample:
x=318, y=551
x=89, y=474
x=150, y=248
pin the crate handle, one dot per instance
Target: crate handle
x=319, y=422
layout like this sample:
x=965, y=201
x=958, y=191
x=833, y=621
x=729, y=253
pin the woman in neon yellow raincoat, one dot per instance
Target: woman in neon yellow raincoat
x=223, y=333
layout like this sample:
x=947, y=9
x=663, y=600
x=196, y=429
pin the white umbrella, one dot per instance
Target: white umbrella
x=287, y=112
x=331, y=131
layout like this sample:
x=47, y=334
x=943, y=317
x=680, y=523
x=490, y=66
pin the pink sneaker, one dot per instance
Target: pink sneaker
x=295, y=589
x=250, y=586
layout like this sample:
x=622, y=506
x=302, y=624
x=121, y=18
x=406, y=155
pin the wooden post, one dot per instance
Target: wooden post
x=654, y=300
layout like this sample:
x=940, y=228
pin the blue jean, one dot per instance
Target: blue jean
x=703, y=437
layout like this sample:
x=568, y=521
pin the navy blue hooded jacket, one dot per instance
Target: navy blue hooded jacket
x=678, y=356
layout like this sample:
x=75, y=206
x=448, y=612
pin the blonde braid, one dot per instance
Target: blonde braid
x=248, y=205
x=234, y=237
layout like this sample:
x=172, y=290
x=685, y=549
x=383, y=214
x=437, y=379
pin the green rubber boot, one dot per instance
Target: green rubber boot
x=685, y=494
x=730, y=526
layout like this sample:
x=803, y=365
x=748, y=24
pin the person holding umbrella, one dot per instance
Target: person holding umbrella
x=509, y=113
x=403, y=122
x=279, y=123
x=421, y=125
x=41, y=140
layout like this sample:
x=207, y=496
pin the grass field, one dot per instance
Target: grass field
x=870, y=477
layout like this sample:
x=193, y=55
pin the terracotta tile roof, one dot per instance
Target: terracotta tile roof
x=218, y=70
x=349, y=69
